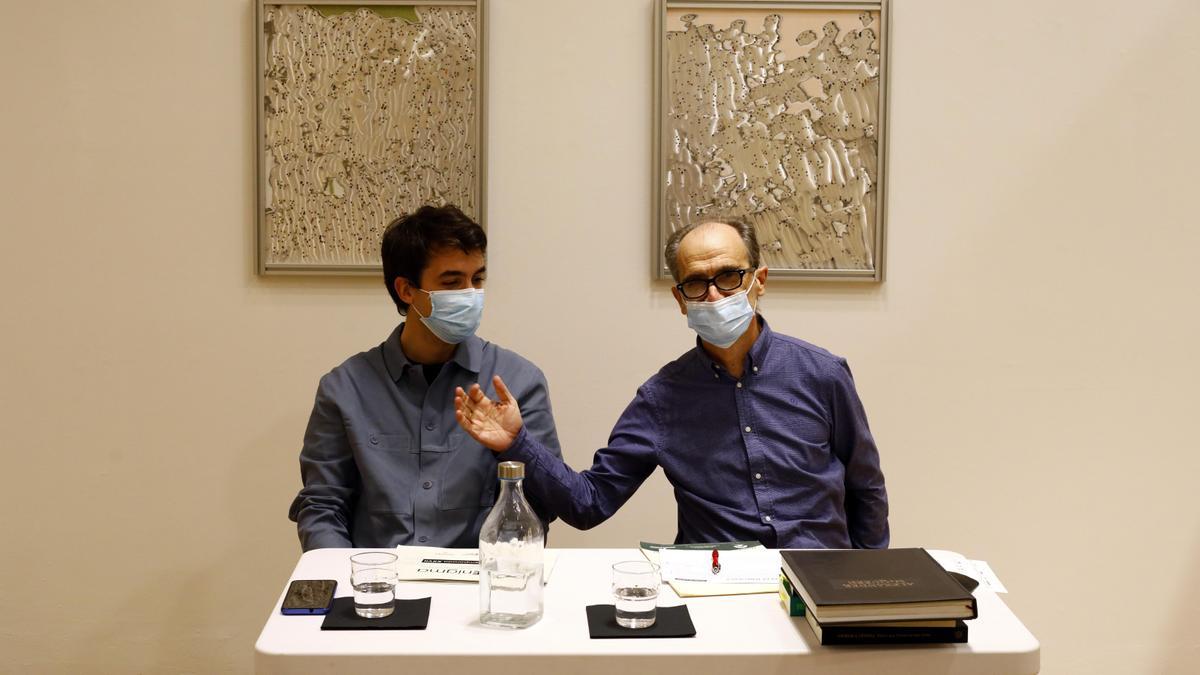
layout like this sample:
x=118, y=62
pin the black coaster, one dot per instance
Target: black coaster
x=668, y=623
x=409, y=615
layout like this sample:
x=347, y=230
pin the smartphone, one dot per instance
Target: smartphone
x=309, y=596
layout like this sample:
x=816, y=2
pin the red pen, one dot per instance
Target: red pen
x=716, y=563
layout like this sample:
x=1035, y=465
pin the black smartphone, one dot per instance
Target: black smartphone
x=309, y=596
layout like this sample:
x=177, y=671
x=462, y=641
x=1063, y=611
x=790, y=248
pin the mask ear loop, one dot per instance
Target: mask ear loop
x=413, y=305
x=753, y=280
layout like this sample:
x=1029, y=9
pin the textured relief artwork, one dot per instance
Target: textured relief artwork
x=774, y=116
x=369, y=112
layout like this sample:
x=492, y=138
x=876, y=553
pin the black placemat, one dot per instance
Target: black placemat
x=668, y=623
x=409, y=615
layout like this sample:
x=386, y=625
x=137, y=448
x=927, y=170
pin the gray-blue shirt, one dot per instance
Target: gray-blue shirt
x=384, y=462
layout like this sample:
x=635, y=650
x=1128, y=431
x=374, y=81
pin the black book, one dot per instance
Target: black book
x=890, y=632
x=861, y=585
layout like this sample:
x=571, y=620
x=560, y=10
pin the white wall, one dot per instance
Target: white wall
x=1029, y=365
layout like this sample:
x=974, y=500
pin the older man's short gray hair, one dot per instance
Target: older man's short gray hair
x=671, y=250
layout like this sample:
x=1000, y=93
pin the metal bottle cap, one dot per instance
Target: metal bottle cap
x=512, y=470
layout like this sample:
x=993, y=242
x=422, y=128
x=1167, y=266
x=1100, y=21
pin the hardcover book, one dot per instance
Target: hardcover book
x=860, y=585
x=890, y=632
x=792, y=601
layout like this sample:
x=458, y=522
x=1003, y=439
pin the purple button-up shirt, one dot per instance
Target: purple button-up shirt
x=782, y=455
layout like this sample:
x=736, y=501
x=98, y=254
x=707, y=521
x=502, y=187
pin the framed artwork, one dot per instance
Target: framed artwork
x=774, y=113
x=365, y=111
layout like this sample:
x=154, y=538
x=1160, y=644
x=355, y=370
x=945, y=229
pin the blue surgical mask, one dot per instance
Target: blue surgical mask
x=723, y=321
x=454, y=315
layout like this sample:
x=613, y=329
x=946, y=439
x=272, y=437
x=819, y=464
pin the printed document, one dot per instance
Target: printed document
x=745, y=568
x=426, y=563
x=978, y=570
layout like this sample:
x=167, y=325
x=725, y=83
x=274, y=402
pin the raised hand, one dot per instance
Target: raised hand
x=495, y=424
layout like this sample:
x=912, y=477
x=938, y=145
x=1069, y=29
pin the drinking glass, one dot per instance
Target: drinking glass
x=373, y=576
x=635, y=590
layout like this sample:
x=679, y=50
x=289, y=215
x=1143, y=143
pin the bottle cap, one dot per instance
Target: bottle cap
x=512, y=470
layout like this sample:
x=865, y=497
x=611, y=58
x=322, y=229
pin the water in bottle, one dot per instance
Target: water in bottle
x=511, y=550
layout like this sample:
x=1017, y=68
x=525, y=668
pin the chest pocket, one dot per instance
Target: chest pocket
x=468, y=478
x=388, y=463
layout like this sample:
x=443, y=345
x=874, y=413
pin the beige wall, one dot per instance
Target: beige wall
x=1029, y=365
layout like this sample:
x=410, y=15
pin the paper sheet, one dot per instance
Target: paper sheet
x=978, y=570
x=747, y=566
x=426, y=563
x=685, y=566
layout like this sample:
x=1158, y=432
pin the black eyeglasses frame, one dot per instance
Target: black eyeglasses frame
x=712, y=281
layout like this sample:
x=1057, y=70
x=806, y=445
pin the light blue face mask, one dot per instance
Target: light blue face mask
x=723, y=321
x=455, y=315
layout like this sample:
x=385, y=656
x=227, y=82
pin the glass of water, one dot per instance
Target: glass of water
x=635, y=589
x=373, y=576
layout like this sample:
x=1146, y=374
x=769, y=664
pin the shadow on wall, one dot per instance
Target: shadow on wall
x=205, y=615
x=264, y=546
x=1181, y=644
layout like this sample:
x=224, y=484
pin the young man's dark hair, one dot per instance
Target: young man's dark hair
x=410, y=239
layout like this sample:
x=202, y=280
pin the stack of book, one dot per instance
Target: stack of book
x=792, y=602
x=876, y=596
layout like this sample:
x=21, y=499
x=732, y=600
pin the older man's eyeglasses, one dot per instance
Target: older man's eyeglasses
x=729, y=280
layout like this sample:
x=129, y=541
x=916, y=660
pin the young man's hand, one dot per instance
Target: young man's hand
x=495, y=424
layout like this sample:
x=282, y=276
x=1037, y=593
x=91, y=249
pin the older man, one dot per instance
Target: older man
x=762, y=435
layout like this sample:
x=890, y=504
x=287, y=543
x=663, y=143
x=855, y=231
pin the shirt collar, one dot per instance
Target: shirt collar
x=469, y=355
x=393, y=356
x=757, y=355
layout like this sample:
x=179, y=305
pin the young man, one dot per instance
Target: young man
x=762, y=435
x=383, y=462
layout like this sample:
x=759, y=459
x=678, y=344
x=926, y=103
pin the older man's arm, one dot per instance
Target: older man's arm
x=866, y=496
x=582, y=499
x=538, y=417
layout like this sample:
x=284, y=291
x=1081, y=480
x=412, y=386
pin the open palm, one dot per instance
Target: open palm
x=495, y=424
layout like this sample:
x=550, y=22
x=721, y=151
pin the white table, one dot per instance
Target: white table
x=734, y=634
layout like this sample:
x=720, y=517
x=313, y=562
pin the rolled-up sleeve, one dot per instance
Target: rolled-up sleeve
x=854, y=446
x=323, y=508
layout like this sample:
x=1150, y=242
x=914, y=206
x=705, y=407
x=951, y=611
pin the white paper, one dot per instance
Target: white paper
x=426, y=563
x=978, y=570
x=746, y=566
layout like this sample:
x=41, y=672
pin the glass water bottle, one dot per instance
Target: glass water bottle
x=511, y=547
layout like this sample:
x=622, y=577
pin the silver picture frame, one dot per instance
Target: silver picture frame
x=775, y=113
x=334, y=194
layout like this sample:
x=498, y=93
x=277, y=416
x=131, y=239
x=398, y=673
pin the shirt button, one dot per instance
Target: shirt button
x=422, y=539
x=374, y=441
x=766, y=519
x=716, y=376
x=758, y=476
x=429, y=426
x=739, y=385
x=747, y=429
x=427, y=484
x=755, y=368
